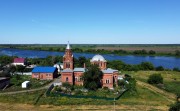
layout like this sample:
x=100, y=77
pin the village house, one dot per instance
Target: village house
x=74, y=75
x=44, y=73
x=19, y=61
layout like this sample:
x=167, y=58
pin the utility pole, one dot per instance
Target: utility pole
x=114, y=104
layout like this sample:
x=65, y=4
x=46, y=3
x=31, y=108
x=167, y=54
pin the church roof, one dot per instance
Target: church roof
x=98, y=58
x=67, y=70
x=68, y=46
x=79, y=69
x=109, y=70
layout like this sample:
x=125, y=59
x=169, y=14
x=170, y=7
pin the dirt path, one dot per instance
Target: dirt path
x=169, y=96
x=31, y=90
x=27, y=107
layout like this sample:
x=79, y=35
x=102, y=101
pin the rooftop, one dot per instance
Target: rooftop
x=68, y=46
x=79, y=69
x=19, y=60
x=98, y=58
x=109, y=70
x=44, y=69
x=67, y=70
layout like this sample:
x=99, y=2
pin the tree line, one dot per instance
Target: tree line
x=79, y=62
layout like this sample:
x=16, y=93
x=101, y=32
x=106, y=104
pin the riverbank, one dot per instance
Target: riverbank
x=122, y=49
x=166, y=62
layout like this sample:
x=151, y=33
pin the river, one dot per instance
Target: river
x=166, y=62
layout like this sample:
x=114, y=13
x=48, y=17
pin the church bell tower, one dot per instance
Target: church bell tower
x=68, y=58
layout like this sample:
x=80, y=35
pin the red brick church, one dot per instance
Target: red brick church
x=73, y=75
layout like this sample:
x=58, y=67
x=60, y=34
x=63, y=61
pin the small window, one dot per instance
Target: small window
x=66, y=79
x=81, y=79
x=107, y=81
x=76, y=79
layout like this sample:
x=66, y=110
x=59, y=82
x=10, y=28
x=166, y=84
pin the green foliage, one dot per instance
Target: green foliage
x=140, y=52
x=82, y=60
x=68, y=87
x=147, y=66
x=20, y=68
x=121, y=82
x=4, y=60
x=175, y=107
x=155, y=79
x=159, y=68
x=131, y=86
x=151, y=52
x=177, y=53
x=176, y=69
x=92, y=77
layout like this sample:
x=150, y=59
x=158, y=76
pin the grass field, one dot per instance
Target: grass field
x=171, y=78
x=159, y=48
x=144, y=99
x=148, y=97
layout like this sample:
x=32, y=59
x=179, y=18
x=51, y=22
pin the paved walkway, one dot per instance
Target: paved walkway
x=32, y=90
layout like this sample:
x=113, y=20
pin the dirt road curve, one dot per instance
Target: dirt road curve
x=169, y=96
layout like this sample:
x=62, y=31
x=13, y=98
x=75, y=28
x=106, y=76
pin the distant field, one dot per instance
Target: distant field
x=158, y=49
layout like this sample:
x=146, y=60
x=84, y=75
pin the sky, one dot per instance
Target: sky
x=90, y=21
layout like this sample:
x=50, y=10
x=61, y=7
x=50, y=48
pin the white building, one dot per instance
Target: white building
x=25, y=84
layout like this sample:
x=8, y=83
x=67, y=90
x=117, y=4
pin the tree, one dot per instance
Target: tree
x=67, y=86
x=177, y=53
x=151, y=52
x=12, y=69
x=176, y=69
x=82, y=60
x=92, y=77
x=147, y=66
x=155, y=79
x=20, y=68
x=121, y=83
x=159, y=68
x=175, y=107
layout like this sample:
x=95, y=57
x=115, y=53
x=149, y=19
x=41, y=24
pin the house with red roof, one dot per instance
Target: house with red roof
x=19, y=61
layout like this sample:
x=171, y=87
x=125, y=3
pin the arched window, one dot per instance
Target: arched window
x=67, y=79
x=67, y=65
x=107, y=81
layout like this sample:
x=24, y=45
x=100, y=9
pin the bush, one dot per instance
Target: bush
x=159, y=68
x=176, y=69
x=147, y=66
x=155, y=79
x=175, y=107
x=151, y=52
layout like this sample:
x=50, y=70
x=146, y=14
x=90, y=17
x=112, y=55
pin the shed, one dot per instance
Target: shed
x=44, y=73
x=25, y=84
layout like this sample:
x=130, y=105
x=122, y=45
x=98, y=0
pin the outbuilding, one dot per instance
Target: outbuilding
x=25, y=84
x=19, y=61
x=44, y=73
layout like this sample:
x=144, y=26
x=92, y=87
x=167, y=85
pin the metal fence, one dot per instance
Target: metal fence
x=56, y=94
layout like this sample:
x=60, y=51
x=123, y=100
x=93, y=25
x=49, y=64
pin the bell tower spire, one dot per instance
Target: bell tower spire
x=68, y=46
x=68, y=58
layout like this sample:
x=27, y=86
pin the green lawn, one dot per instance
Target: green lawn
x=25, y=98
